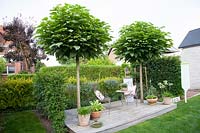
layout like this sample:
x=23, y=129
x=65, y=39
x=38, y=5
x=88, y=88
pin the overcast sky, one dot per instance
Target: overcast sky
x=178, y=16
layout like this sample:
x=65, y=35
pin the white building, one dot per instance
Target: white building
x=191, y=54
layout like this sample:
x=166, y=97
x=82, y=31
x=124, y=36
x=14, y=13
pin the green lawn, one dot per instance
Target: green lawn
x=21, y=122
x=185, y=119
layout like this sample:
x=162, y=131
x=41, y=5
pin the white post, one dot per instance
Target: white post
x=185, y=78
x=185, y=93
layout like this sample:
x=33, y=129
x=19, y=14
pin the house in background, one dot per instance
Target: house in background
x=14, y=67
x=191, y=54
x=112, y=57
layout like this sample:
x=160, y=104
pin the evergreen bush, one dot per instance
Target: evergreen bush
x=16, y=94
x=109, y=85
x=166, y=68
x=90, y=72
x=21, y=76
x=51, y=100
x=2, y=65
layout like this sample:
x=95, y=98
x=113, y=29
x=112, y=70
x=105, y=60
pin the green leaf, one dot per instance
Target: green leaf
x=77, y=47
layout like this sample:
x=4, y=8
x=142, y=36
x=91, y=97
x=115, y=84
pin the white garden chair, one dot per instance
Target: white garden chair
x=102, y=98
x=130, y=94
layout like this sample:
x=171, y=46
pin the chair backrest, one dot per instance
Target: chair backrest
x=99, y=95
x=131, y=88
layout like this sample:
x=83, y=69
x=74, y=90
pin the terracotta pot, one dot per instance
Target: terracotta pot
x=95, y=115
x=167, y=100
x=152, y=101
x=84, y=120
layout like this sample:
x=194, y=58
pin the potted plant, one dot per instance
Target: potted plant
x=96, y=108
x=84, y=115
x=167, y=98
x=151, y=99
x=124, y=86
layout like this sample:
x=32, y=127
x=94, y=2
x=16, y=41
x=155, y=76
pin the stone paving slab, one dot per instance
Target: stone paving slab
x=120, y=117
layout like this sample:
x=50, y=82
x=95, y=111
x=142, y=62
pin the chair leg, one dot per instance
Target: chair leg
x=136, y=101
x=109, y=106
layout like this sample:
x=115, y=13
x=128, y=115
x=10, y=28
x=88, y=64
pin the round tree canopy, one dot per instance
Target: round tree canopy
x=70, y=31
x=140, y=42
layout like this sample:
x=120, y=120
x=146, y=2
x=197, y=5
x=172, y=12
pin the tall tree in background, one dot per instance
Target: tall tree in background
x=23, y=47
x=140, y=42
x=71, y=32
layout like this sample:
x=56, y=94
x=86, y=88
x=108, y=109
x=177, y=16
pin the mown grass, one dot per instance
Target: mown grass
x=20, y=122
x=185, y=119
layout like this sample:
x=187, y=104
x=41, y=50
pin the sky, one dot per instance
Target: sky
x=178, y=16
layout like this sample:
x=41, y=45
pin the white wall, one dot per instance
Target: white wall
x=191, y=55
x=51, y=62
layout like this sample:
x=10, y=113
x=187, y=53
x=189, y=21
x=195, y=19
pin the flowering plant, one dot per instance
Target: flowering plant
x=165, y=85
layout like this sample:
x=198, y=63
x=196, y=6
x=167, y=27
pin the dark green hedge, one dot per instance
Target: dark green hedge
x=51, y=99
x=90, y=72
x=166, y=68
x=16, y=94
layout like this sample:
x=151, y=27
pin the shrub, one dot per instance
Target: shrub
x=2, y=65
x=87, y=94
x=166, y=68
x=96, y=106
x=16, y=94
x=84, y=110
x=21, y=76
x=39, y=65
x=109, y=85
x=100, y=61
x=89, y=72
x=164, y=86
x=51, y=99
x=71, y=96
x=167, y=94
x=151, y=97
x=72, y=80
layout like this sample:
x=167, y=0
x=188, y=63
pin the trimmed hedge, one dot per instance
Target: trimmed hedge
x=21, y=76
x=16, y=94
x=88, y=71
x=166, y=68
x=2, y=65
x=51, y=99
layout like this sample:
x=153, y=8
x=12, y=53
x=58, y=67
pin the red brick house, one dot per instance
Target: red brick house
x=14, y=67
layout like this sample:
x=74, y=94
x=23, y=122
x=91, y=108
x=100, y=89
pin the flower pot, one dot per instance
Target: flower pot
x=124, y=89
x=152, y=101
x=167, y=100
x=84, y=120
x=95, y=115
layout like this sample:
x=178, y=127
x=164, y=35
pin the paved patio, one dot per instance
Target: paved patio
x=120, y=117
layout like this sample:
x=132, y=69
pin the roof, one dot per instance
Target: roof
x=192, y=39
x=171, y=50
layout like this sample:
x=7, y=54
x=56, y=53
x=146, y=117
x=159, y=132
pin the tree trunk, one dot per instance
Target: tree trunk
x=141, y=85
x=135, y=71
x=146, y=78
x=78, y=81
x=22, y=51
